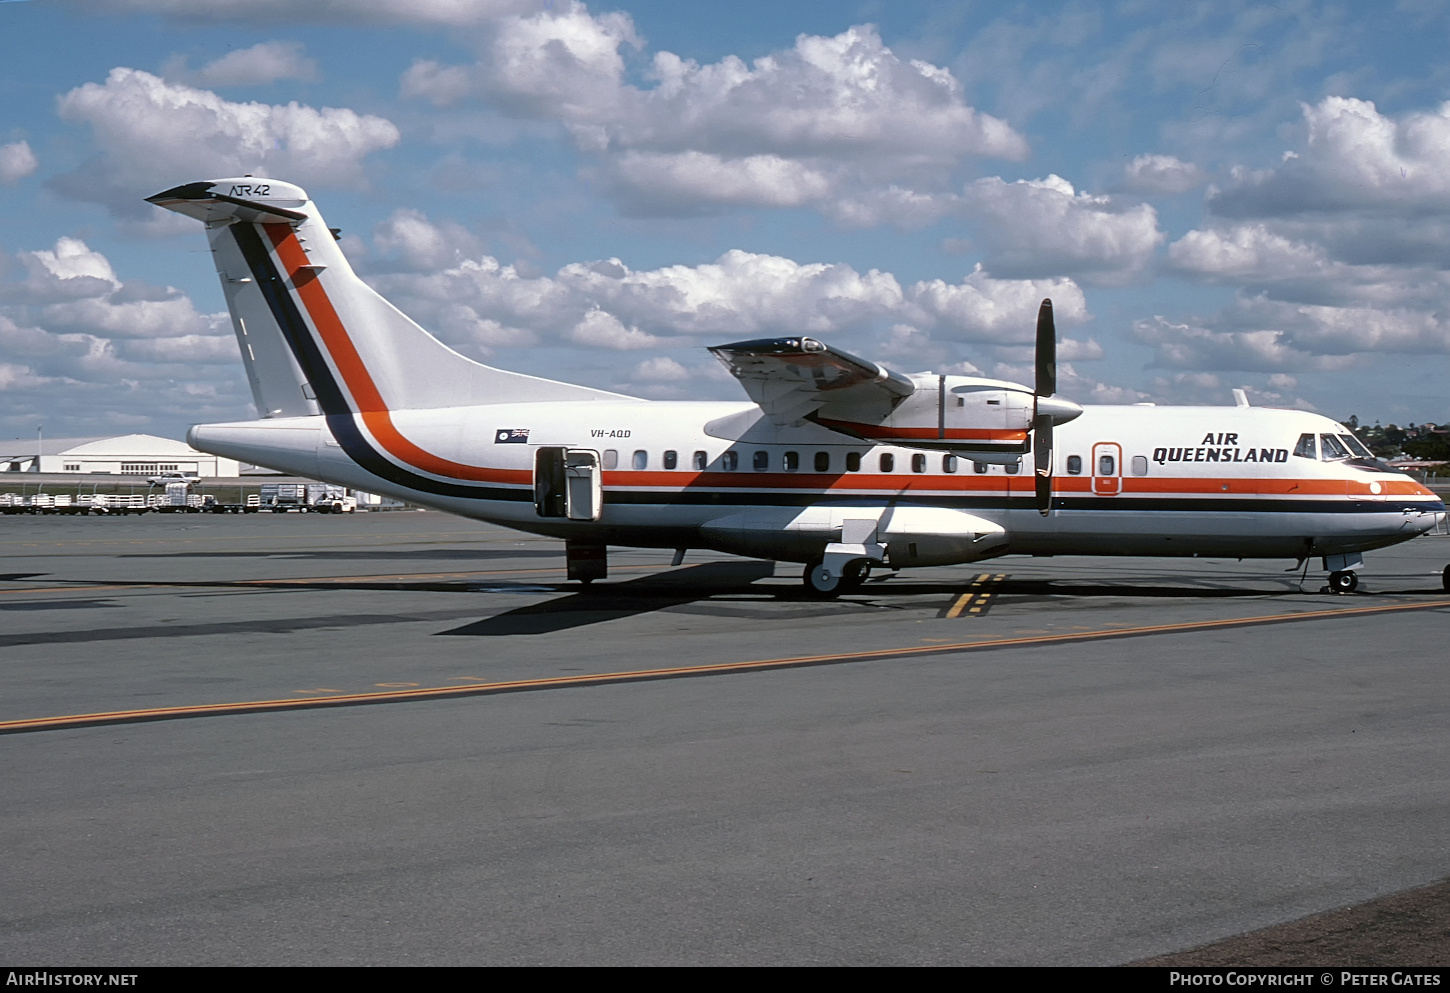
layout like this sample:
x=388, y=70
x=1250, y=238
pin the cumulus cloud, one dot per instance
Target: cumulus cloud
x=830, y=118
x=481, y=305
x=1044, y=227
x=1185, y=346
x=661, y=369
x=16, y=162
x=1339, y=251
x=150, y=133
x=264, y=62
x=123, y=352
x=408, y=240
x=606, y=304
x=1264, y=258
x=1354, y=160
x=647, y=183
x=1149, y=174
x=1267, y=335
x=997, y=311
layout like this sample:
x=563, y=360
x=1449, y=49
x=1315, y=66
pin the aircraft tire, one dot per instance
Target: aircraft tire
x=817, y=584
x=1445, y=579
x=856, y=574
x=1343, y=582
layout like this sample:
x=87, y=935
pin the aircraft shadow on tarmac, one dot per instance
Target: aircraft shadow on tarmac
x=594, y=605
x=711, y=588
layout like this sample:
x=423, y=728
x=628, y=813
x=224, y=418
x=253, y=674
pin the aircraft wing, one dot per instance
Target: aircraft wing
x=792, y=377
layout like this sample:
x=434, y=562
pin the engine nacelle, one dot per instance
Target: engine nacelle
x=958, y=414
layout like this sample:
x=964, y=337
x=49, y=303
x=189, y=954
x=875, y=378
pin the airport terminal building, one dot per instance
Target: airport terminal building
x=124, y=455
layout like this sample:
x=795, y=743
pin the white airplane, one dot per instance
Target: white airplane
x=837, y=462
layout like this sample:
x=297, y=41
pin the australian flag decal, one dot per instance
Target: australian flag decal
x=511, y=436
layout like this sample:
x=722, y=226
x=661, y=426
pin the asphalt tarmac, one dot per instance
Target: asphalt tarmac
x=403, y=738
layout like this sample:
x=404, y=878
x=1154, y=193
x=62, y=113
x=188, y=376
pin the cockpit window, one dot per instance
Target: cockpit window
x=1332, y=448
x=1305, y=449
x=1356, y=446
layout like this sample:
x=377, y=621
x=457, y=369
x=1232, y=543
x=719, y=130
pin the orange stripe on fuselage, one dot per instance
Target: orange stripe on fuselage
x=365, y=394
x=971, y=484
x=879, y=431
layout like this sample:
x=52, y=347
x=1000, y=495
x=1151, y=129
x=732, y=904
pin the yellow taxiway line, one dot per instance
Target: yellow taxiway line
x=675, y=672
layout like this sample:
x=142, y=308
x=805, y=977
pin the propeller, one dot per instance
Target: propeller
x=1048, y=410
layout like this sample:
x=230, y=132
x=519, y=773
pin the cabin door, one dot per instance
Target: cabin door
x=1107, y=468
x=567, y=483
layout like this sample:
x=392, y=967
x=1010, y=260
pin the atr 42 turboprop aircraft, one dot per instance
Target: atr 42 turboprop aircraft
x=838, y=463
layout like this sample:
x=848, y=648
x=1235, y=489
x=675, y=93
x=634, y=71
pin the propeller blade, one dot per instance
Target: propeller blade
x=1042, y=459
x=1046, y=351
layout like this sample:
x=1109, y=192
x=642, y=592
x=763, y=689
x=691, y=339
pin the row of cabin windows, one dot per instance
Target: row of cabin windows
x=789, y=461
x=886, y=462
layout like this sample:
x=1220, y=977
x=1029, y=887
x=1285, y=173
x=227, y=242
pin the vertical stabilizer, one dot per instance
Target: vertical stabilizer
x=314, y=337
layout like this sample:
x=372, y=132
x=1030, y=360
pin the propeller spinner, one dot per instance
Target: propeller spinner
x=1049, y=410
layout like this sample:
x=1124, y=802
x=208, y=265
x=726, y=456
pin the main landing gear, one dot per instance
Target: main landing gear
x=1348, y=582
x=821, y=582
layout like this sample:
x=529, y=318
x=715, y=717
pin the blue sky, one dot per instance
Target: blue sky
x=1215, y=195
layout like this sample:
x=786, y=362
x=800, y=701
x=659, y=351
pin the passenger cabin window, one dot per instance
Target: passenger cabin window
x=853, y=461
x=1107, y=465
x=888, y=462
x=1140, y=465
x=948, y=463
x=672, y=459
x=1013, y=468
x=823, y=462
x=1331, y=448
x=1305, y=449
x=611, y=458
x=1074, y=465
x=641, y=460
x=730, y=461
x=791, y=461
x=979, y=467
x=918, y=463
x=761, y=461
x=699, y=462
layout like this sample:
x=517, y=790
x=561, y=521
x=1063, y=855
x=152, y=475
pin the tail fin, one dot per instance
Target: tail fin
x=314, y=337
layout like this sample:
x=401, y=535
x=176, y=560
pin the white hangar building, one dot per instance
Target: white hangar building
x=126, y=455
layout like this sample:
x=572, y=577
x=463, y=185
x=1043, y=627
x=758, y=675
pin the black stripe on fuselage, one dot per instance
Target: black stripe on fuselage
x=806, y=498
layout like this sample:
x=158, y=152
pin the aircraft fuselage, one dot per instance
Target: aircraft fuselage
x=1131, y=480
